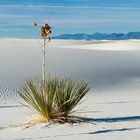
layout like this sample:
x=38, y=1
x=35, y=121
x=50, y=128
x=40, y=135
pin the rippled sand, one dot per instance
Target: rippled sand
x=111, y=67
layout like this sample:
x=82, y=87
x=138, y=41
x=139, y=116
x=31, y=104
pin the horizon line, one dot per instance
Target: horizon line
x=69, y=6
x=53, y=37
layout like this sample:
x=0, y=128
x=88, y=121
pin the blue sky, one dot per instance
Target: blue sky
x=68, y=16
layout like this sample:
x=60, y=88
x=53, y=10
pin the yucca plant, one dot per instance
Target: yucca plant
x=53, y=98
x=61, y=96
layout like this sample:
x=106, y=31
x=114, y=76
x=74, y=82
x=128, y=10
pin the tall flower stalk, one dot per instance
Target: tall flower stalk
x=45, y=31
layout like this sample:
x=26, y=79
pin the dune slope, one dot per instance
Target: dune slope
x=111, y=67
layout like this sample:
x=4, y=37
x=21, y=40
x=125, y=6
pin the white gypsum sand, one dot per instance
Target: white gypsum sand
x=112, y=68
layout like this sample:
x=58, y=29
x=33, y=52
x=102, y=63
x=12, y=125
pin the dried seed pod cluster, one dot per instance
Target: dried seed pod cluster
x=45, y=30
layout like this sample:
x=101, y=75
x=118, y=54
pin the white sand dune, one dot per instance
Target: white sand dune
x=126, y=45
x=111, y=67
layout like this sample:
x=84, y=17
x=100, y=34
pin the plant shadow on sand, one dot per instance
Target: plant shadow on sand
x=87, y=133
x=111, y=130
x=109, y=120
x=115, y=119
x=10, y=106
x=102, y=131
